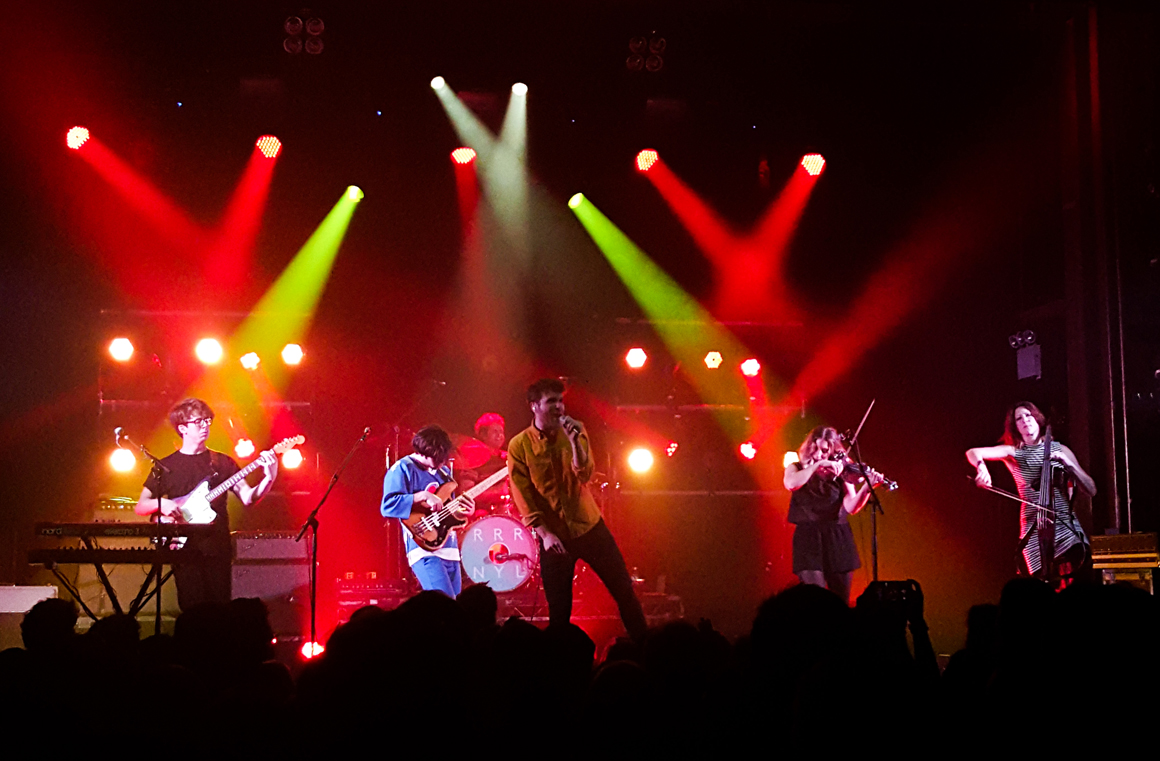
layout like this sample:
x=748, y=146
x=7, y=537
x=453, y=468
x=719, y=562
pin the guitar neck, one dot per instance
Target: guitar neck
x=484, y=485
x=229, y=483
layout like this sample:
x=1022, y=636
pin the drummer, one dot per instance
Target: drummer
x=481, y=456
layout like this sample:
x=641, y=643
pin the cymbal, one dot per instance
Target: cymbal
x=470, y=452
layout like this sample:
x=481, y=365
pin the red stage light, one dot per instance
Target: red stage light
x=291, y=459
x=292, y=354
x=463, y=155
x=209, y=351
x=748, y=450
x=636, y=357
x=311, y=649
x=813, y=163
x=269, y=145
x=750, y=368
x=713, y=360
x=244, y=448
x=671, y=449
x=121, y=349
x=76, y=137
x=645, y=159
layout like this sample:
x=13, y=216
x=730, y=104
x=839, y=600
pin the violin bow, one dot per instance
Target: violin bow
x=854, y=438
x=1009, y=495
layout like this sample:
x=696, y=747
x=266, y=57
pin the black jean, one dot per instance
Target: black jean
x=598, y=549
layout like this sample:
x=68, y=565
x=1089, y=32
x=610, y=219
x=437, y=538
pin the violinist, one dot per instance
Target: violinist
x=824, y=553
x=1022, y=452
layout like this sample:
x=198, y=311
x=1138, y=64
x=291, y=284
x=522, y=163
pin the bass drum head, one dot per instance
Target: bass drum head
x=498, y=551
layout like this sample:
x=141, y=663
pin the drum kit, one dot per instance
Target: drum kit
x=495, y=548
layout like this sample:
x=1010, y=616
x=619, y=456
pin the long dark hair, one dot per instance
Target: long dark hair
x=821, y=433
x=1011, y=435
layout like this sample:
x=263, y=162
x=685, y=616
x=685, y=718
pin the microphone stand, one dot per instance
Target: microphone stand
x=875, y=503
x=157, y=471
x=875, y=510
x=311, y=523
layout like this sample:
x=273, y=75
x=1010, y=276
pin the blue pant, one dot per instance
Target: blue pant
x=438, y=574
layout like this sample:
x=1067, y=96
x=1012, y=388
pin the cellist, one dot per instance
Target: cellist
x=1022, y=451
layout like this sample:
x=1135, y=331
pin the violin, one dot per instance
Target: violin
x=854, y=472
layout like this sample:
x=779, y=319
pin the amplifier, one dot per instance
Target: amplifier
x=271, y=566
x=1131, y=558
x=358, y=590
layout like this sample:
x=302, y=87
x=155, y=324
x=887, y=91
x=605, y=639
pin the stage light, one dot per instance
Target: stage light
x=789, y=459
x=575, y=200
x=312, y=649
x=813, y=163
x=519, y=88
x=645, y=159
x=750, y=368
x=292, y=25
x=314, y=45
x=244, y=448
x=209, y=351
x=635, y=358
x=292, y=45
x=354, y=193
x=269, y=145
x=463, y=155
x=713, y=360
x=438, y=83
x=292, y=354
x=314, y=26
x=121, y=349
x=671, y=449
x=76, y=137
x=640, y=460
x=251, y=361
x=747, y=450
x=291, y=459
x=122, y=461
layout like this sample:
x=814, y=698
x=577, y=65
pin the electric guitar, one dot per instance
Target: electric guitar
x=431, y=527
x=195, y=507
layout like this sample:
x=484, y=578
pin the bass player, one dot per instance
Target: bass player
x=411, y=483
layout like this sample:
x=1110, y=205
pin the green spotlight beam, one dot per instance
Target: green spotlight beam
x=686, y=328
x=513, y=135
x=500, y=162
x=281, y=316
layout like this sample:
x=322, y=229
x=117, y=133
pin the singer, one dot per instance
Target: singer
x=210, y=580
x=551, y=464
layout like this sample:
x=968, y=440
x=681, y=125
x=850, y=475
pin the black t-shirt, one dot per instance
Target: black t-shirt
x=819, y=500
x=186, y=471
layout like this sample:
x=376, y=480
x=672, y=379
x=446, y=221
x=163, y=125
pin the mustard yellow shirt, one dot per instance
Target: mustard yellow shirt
x=548, y=491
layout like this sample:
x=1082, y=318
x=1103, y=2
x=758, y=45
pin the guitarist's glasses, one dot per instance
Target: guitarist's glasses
x=200, y=422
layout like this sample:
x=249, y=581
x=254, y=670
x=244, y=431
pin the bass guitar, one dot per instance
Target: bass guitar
x=196, y=506
x=430, y=527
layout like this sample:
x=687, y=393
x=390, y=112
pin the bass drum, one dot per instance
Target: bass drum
x=498, y=551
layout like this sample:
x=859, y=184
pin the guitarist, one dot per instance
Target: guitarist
x=411, y=483
x=209, y=580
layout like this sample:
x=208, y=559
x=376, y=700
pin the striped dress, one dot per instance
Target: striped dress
x=1027, y=468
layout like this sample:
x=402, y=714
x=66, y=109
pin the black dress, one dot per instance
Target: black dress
x=822, y=539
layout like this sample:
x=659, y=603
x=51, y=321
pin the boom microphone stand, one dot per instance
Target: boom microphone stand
x=311, y=523
x=157, y=472
x=875, y=503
